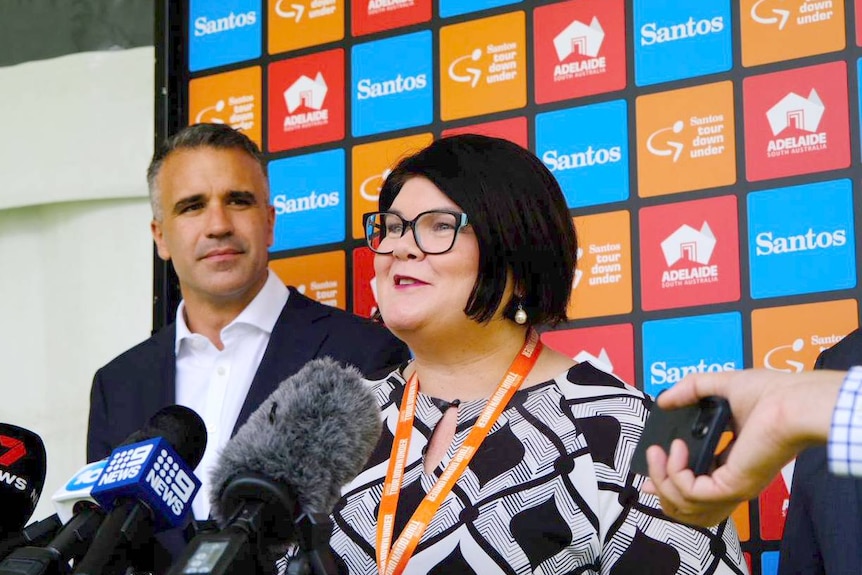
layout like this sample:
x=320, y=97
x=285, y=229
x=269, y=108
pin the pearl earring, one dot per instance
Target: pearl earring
x=520, y=314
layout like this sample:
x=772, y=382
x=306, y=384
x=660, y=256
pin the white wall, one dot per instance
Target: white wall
x=75, y=272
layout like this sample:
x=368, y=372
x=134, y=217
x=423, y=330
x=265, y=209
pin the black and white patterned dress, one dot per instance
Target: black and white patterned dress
x=548, y=492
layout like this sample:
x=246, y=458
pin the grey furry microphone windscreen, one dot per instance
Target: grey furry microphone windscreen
x=314, y=433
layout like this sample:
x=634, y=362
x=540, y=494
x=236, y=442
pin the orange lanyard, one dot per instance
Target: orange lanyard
x=391, y=560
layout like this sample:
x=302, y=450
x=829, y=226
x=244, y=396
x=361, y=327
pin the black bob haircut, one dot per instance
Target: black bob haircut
x=518, y=213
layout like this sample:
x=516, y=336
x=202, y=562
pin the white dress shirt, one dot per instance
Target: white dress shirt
x=214, y=383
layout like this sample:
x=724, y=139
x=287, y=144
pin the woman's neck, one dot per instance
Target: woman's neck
x=469, y=366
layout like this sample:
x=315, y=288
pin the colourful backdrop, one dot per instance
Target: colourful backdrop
x=709, y=152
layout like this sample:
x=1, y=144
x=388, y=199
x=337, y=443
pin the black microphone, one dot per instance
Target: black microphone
x=81, y=514
x=36, y=533
x=22, y=476
x=279, y=477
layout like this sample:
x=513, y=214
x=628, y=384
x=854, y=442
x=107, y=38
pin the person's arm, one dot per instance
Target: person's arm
x=845, y=434
x=776, y=415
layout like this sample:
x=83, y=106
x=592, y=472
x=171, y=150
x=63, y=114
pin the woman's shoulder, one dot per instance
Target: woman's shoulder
x=586, y=379
x=587, y=391
x=387, y=387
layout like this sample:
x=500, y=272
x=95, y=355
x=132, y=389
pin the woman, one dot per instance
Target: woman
x=497, y=455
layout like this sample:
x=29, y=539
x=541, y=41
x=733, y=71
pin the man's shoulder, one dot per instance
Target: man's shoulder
x=322, y=312
x=143, y=354
x=844, y=354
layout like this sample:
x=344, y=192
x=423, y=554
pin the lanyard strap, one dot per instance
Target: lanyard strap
x=391, y=560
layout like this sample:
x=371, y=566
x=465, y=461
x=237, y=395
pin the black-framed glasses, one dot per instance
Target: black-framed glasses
x=434, y=231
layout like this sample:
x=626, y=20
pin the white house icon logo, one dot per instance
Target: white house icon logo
x=689, y=243
x=602, y=362
x=794, y=110
x=306, y=91
x=580, y=38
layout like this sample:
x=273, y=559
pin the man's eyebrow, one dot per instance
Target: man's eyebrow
x=187, y=201
x=242, y=195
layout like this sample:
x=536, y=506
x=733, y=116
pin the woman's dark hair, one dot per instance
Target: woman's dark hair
x=518, y=213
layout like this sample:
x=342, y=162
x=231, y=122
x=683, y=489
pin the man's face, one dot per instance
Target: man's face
x=217, y=224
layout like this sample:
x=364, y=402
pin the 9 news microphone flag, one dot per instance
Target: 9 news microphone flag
x=146, y=487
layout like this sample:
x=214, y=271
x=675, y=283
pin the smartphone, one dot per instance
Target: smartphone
x=700, y=426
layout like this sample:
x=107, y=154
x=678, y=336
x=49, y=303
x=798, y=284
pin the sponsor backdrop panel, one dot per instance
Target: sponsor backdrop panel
x=708, y=152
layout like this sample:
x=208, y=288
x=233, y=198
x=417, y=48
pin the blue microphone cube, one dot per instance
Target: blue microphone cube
x=152, y=472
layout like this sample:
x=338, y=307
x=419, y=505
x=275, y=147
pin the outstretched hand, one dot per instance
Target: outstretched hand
x=775, y=415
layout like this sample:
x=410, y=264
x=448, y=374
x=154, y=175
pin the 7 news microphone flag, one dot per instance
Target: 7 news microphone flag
x=22, y=476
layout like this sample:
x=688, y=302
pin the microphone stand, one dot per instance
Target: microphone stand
x=314, y=557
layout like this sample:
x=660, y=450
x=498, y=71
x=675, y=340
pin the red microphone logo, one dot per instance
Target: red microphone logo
x=15, y=450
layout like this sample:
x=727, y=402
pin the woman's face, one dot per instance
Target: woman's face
x=421, y=293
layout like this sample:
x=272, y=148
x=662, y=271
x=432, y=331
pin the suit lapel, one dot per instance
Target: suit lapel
x=296, y=339
x=158, y=378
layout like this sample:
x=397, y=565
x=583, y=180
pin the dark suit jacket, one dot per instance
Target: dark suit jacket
x=823, y=531
x=131, y=388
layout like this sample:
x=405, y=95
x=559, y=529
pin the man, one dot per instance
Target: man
x=239, y=331
x=776, y=416
x=823, y=530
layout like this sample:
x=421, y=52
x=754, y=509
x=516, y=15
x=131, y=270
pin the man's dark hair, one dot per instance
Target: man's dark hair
x=518, y=213
x=219, y=136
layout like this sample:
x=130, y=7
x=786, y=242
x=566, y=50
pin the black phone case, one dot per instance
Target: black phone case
x=700, y=426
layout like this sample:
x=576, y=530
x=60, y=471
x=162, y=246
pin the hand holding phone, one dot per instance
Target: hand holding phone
x=700, y=426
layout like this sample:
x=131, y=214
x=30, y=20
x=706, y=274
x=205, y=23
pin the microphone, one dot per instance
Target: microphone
x=146, y=487
x=36, y=533
x=78, y=510
x=22, y=476
x=279, y=477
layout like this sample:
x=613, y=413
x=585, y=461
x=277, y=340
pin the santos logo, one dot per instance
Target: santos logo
x=206, y=27
x=311, y=94
x=661, y=374
x=171, y=483
x=125, y=465
x=313, y=201
x=801, y=113
x=578, y=38
x=366, y=89
x=767, y=244
x=651, y=33
x=590, y=157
